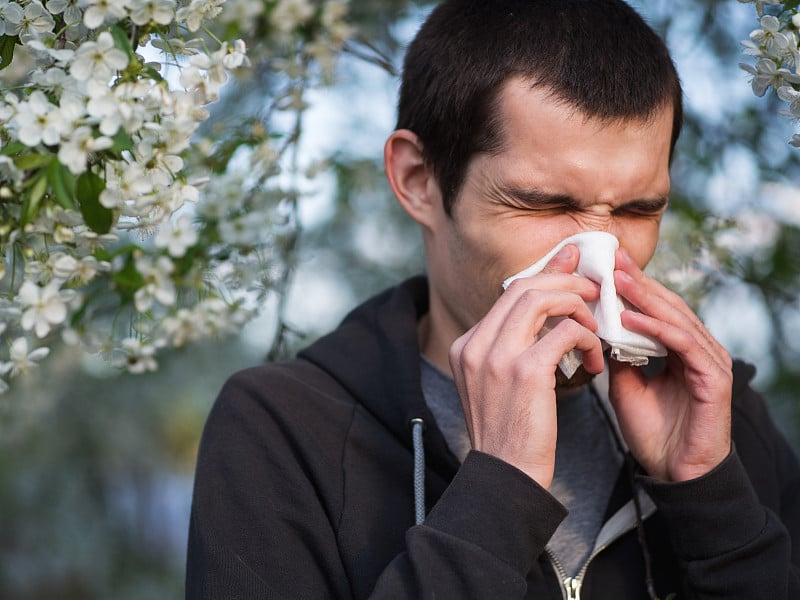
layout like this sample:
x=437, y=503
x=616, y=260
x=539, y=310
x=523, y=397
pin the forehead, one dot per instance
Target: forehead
x=520, y=99
x=544, y=137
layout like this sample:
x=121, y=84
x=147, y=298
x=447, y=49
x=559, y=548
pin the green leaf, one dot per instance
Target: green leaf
x=152, y=74
x=791, y=4
x=107, y=255
x=128, y=280
x=13, y=148
x=33, y=198
x=32, y=161
x=88, y=189
x=122, y=141
x=7, y=45
x=62, y=182
x=121, y=41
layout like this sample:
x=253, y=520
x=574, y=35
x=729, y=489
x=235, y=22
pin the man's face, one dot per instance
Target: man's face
x=556, y=175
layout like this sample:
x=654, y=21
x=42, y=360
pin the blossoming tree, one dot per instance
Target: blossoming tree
x=121, y=229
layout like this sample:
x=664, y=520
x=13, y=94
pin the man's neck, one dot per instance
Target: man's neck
x=431, y=344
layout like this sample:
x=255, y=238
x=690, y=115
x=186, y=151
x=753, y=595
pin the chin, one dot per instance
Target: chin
x=579, y=378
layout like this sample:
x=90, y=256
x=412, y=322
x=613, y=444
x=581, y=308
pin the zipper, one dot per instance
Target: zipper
x=571, y=586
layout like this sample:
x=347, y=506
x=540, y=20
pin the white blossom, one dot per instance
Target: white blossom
x=182, y=327
x=71, y=99
x=177, y=239
x=159, y=165
x=70, y=9
x=233, y=57
x=766, y=73
x=37, y=121
x=792, y=96
x=243, y=13
x=771, y=36
x=75, y=150
x=197, y=11
x=44, y=307
x=139, y=356
x=35, y=22
x=98, y=60
x=46, y=55
x=125, y=186
x=101, y=11
x=289, y=14
x=10, y=17
x=9, y=171
x=204, y=77
x=158, y=284
x=131, y=110
x=63, y=265
x=21, y=361
x=105, y=107
x=157, y=11
x=333, y=20
x=89, y=267
x=60, y=84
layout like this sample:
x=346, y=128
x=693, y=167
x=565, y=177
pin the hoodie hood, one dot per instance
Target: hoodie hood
x=380, y=338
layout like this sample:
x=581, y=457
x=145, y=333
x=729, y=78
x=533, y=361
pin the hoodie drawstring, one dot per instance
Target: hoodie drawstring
x=417, y=426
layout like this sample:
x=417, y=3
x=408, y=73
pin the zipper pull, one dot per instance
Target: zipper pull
x=573, y=587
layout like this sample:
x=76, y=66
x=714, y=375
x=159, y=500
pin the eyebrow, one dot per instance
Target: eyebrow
x=537, y=198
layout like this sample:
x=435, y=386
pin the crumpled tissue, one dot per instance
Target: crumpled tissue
x=597, y=263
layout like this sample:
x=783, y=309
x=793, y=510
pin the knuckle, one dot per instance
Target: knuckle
x=470, y=359
x=517, y=285
x=529, y=298
x=570, y=328
x=522, y=370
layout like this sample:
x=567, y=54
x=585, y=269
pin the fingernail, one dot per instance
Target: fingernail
x=624, y=276
x=565, y=253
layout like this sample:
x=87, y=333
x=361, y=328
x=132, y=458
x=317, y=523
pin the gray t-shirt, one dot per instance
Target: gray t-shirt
x=587, y=460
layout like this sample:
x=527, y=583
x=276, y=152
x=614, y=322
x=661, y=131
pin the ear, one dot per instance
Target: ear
x=412, y=181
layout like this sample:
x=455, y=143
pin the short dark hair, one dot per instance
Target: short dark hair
x=596, y=55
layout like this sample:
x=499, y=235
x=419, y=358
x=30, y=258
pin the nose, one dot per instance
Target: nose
x=597, y=218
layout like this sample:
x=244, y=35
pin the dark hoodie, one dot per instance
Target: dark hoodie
x=304, y=490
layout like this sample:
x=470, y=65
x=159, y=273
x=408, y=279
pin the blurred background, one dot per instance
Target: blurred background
x=96, y=467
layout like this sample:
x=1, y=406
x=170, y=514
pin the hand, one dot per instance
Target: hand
x=678, y=424
x=505, y=374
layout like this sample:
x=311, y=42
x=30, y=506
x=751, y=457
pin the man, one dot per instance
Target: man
x=521, y=123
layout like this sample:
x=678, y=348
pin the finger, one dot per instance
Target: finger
x=526, y=317
x=566, y=336
x=456, y=367
x=582, y=286
x=632, y=281
x=574, y=291
x=491, y=349
x=652, y=298
x=565, y=261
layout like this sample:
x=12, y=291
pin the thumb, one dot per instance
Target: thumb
x=566, y=261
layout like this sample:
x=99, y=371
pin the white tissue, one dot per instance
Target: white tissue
x=597, y=263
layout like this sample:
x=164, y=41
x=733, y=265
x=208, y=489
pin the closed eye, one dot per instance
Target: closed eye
x=645, y=208
x=533, y=199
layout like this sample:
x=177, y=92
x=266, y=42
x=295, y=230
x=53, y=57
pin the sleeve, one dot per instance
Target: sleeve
x=728, y=543
x=480, y=540
x=263, y=525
